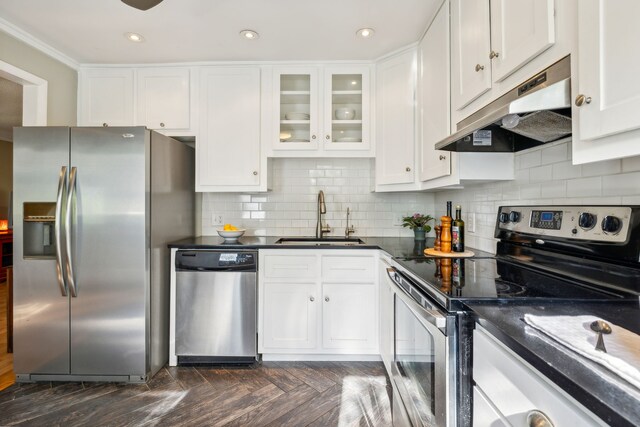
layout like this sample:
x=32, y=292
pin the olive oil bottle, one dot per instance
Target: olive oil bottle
x=457, y=232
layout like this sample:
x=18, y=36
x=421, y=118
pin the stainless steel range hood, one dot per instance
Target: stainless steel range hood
x=534, y=113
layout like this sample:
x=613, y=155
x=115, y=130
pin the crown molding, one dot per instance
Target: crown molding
x=38, y=44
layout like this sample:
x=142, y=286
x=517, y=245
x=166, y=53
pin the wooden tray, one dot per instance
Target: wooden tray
x=433, y=252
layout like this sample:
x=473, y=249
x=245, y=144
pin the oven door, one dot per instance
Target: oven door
x=420, y=364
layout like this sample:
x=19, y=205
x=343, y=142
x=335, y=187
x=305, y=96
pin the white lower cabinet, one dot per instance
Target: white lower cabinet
x=512, y=389
x=317, y=311
x=386, y=313
x=290, y=315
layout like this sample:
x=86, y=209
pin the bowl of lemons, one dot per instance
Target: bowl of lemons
x=230, y=233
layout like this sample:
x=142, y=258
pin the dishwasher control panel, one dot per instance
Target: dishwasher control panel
x=189, y=260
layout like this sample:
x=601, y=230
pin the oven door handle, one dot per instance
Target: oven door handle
x=434, y=317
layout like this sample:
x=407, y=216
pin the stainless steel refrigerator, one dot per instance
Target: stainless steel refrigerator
x=93, y=211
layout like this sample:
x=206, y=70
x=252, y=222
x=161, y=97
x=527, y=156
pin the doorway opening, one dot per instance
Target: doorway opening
x=23, y=102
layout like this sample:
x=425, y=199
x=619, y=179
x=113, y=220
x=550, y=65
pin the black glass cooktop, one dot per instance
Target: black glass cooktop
x=452, y=281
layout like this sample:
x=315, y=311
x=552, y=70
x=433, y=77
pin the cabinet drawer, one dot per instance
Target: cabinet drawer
x=348, y=268
x=484, y=414
x=290, y=266
x=515, y=389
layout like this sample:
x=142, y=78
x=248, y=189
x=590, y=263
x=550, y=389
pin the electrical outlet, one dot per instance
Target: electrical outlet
x=471, y=226
x=216, y=219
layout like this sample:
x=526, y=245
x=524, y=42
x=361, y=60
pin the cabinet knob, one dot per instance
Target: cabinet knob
x=479, y=67
x=105, y=125
x=313, y=137
x=326, y=299
x=408, y=169
x=493, y=54
x=255, y=173
x=312, y=299
x=582, y=99
x=442, y=157
x=536, y=418
x=328, y=136
x=161, y=125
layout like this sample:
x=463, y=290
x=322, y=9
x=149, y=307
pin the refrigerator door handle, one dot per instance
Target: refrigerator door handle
x=62, y=185
x=67, y=228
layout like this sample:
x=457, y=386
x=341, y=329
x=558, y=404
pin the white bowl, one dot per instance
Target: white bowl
x=345, y=113
x=231, y=235
x=348, y=139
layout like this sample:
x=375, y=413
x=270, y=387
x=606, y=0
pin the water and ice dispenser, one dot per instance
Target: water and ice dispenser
x=39, y=230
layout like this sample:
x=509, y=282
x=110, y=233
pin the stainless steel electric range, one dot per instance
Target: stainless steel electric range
x=545, y=255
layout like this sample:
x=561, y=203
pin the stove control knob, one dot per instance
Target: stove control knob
x=514, y=216
x=611, y=224
x=587, y=220
x=503, y=217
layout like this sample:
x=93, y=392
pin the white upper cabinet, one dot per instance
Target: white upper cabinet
x=395, y=124
x=607, y=100
x=434, y=103
x=228, y=145
x=491, y=39
x=320, y=111
x=471, y=44
x=106, y=97
x=520, y=30
x=164, y=98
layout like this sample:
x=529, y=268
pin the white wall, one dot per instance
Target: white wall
x=545, y=175
x=290, y=208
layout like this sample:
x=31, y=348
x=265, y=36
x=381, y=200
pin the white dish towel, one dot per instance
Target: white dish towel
x=574, y=332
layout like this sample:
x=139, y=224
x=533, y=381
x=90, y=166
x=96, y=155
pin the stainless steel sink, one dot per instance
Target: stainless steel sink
x=325, y=241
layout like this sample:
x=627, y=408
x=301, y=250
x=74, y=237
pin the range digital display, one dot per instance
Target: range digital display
x=548, y=220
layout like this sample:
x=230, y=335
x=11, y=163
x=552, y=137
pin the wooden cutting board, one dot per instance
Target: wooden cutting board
x=433, y=252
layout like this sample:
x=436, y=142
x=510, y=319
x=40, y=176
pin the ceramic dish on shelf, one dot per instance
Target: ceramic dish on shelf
x=296, y=116
x=297, y=140
x=348, y=139
x=345, y=113
x=231, y=235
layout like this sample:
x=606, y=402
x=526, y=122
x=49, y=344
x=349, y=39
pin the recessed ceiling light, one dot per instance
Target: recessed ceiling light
x=249, y=34
x=134, y=37
x=365, y=33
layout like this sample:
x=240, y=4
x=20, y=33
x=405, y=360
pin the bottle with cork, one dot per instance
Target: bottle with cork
x=457, y=232
x=445, y=234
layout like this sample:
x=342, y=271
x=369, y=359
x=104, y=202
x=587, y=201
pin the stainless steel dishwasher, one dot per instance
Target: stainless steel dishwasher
x=216, y=306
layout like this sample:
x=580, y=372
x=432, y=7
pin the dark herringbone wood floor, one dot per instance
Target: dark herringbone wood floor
x=274, y=394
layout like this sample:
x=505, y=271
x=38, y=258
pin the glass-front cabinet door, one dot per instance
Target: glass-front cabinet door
x=321, y=111
x=346, y=108
x=297, y=105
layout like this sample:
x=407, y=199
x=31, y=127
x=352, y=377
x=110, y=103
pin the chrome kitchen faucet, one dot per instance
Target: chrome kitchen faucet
x=322, y=209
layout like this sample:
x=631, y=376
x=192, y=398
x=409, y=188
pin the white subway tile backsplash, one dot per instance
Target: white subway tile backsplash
x=596, y=183
x=291, y=209
x=582, y=187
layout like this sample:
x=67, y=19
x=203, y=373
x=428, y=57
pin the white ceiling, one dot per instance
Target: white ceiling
x=91, y=31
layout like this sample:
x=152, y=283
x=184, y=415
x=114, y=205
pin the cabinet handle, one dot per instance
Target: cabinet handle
x=443, y=157
x=328, y=136
x=161, y=125
x=255, y=173
x=493, y=54
x=313, y=137
x=105, y=125
x=537, y=418
x=326, y=299
x=408, y=169
x=312, y=299
x=479, y=67
x=582, y=99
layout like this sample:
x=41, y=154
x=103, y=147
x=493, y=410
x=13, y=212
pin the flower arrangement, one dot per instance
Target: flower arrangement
x=417, y=222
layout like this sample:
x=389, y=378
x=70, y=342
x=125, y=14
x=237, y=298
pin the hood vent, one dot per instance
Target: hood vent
x=534, y=113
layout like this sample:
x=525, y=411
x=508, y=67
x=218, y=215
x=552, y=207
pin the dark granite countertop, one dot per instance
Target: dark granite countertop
x=397, y=247
x=598, y=389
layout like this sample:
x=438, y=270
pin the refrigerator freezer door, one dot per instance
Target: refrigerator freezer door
x=41, y=312
x=109, y=251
